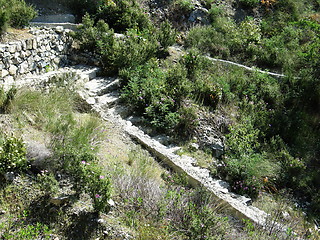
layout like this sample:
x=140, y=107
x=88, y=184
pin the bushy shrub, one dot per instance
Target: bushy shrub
x=192, y=214
x=123, y=14
x=118, y=14
x=12, y=155
x=249, y=3
x=208, y=40
x=88, y=177
x=16, y=13
x=4, y=18
x=21, y=13
x=117, y=52
x=146, y=92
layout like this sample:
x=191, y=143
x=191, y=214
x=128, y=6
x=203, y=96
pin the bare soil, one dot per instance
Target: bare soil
x=15, y=35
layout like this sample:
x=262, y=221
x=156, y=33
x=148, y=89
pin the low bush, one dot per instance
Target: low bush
x=118, y=14
x=4, y=18
x=249, y=3
x=12, y=155
x=123, y=51
x=15, y=13
x=88, y=177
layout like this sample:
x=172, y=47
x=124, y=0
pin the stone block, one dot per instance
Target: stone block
x=12, y=48
x=13, y=70
x=4, y=73
x=29, y=44
x=24, y=67
x=34, y=44
x=24, y=45
x=18, y=47
x=2, y=47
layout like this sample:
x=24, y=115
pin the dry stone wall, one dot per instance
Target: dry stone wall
x=46, y=50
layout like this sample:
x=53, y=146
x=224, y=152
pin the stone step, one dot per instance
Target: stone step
x=107, y=100
x=55, y=18
x=101, y=86
x=58, y=26
x=82, y=74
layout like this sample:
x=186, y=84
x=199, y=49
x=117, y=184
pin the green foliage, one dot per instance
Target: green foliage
x=184, y=6
x=30, y=232
x=117, y=52
x=123, y=14
x=88, y=177
x=249, y=3
x=4, y=18
x=6, y=98
x=74, y=141
x=209, y=40
x=119, y=14
x=192, y=213
x=12, y=155
x=166, y=35
x=48, y=182
x=146, y=92
x=16, y=13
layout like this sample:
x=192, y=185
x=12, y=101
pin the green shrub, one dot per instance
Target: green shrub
x=166, y=35
x=4, y=18
x=6, y=99
x=118, y=14
x=208, y=40
x=249, y=3
x=21, y=13
x=117, y=52
x=16, y=13
x=146, y=93
x=183, y=6
x=143, y=85
x=88, y=176
x=123, y=14
x=12, y=155
x=193, y=214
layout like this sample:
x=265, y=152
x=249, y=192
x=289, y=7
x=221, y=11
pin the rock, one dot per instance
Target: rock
x=194, y=146
x=13, y=70
x=29, y=44
x=38, y=154
x=59, y=29
x=23, y=67
x=100, y=220
x=12, y=48
x=59, y=201
x=285, y=215
x=217, y=147
x=4, y=73
x=57, y=18
x=200, y=15
x=9, y=176
x=111, y=203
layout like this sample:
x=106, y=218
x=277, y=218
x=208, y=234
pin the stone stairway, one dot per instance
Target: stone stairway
x=102, y=94
x=103, y=97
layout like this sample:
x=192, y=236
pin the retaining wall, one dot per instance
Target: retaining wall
x=47, y=50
